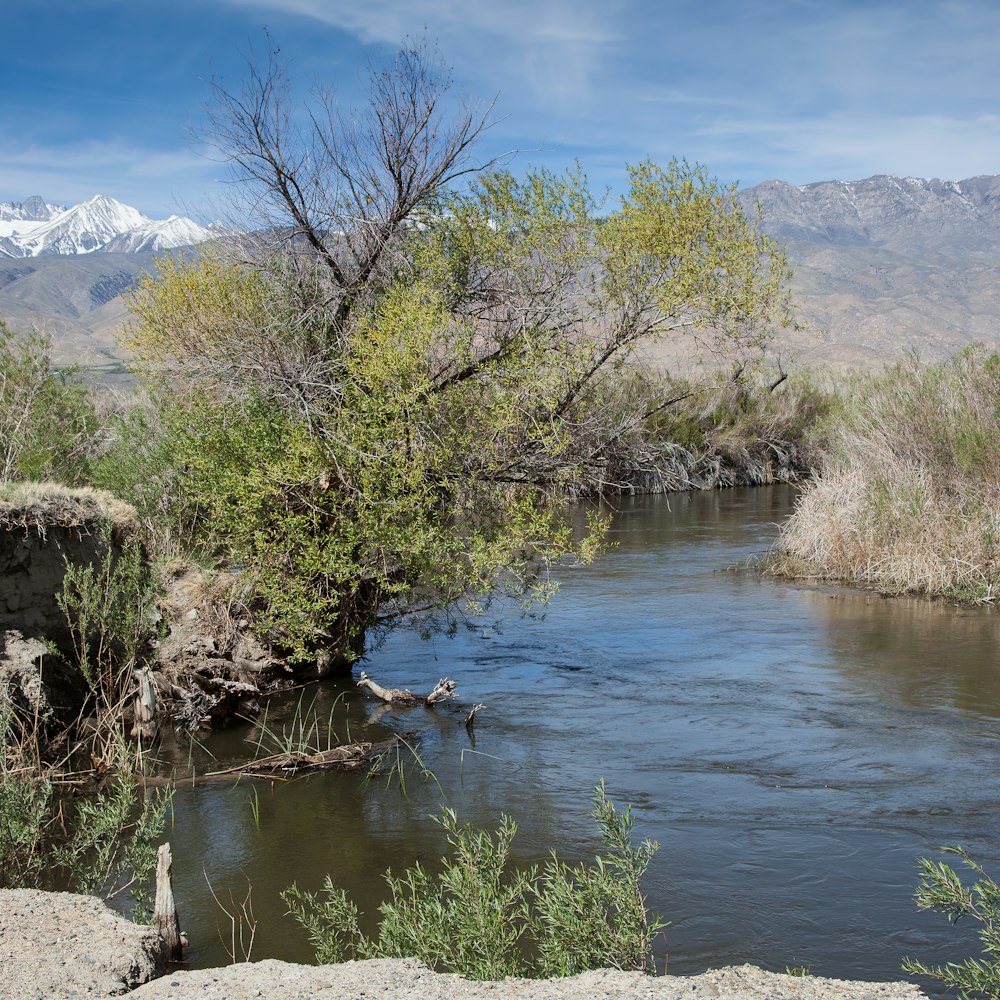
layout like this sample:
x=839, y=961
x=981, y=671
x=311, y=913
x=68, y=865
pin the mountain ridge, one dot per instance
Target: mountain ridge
x=882, y=265
x=887, y=264
x=101, y=224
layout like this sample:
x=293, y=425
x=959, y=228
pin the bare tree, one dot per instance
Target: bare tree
x=345, y=184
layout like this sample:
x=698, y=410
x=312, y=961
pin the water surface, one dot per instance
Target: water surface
x=793, y=749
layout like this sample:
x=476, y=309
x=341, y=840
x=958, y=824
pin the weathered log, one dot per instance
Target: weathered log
x=347, y=756
x=444, y=690
x=165, y=918
x=146, y=725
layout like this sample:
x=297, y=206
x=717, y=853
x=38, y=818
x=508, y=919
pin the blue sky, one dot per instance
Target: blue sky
x=101, y=95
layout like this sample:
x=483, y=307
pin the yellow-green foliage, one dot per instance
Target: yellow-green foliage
x=188, y=311
x=374, y=511
x=409, y=441
x=673, y=243
x=909, y=496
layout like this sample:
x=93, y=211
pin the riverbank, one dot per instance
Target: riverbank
x=59, y=946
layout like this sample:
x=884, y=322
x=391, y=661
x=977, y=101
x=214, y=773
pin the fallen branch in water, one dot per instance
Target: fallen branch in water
x=401, y=696
x=347, y=757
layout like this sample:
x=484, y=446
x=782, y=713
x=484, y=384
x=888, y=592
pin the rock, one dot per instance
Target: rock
x=57, y=945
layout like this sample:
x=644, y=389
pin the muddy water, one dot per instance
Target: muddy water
x=793, y=749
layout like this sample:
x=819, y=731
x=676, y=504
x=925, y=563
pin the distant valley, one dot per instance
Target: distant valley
x=883, y=265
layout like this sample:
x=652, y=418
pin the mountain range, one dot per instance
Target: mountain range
x=101, y=224
x=882, y=265
x=64, y=271
x=887, y=264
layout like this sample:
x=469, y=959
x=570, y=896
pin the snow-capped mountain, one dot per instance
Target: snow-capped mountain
x=177, y=231
x=99, y=225
x=33, y=209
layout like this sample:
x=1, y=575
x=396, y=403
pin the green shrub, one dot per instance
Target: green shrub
x=47, y=420
x=102, y=843
x=109, y=606
x=942, y=889
x=486, y=920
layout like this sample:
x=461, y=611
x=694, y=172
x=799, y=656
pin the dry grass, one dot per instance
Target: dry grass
x=908, y=500
x=39, y=506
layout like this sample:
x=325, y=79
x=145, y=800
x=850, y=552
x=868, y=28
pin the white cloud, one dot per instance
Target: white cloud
x=156, y=181
x=848, y=146
x=549, y=49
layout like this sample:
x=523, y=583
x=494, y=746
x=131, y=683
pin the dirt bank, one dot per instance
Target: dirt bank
x=58, y=946
x=407, y=979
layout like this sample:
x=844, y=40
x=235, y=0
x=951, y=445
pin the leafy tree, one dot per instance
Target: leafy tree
x=383, y=399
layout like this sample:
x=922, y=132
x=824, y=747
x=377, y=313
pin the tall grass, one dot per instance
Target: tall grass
x=102, y=843
x=908, y=499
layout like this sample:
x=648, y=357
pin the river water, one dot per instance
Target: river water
x=793, y=749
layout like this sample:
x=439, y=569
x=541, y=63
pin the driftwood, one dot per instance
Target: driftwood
x=347, y=757
x=470, y=719
x=444, y=690
x=146, y=725
x=165, y=918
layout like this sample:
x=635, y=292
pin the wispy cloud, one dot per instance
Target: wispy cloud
x=156, y=181
x=549, y=49
x=798, y=89
x=849, y=146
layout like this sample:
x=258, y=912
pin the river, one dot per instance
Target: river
x=794, y=749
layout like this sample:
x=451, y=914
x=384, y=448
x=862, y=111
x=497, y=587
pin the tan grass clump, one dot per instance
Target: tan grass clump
x=908, y=499
x=40, y=506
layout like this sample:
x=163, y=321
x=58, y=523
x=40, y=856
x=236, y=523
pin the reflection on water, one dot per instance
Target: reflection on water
x=794, y=750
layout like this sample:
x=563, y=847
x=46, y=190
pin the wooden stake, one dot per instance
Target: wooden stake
x=165, y=911
x=146, y=725
x=471, y=717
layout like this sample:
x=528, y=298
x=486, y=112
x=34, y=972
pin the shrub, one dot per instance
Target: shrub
x=942, y=889
x=47, y=421
x=483, y=919
x=102, y=843
x=109, y=606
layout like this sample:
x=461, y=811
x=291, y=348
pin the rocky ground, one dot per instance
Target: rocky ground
x=57, y=945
